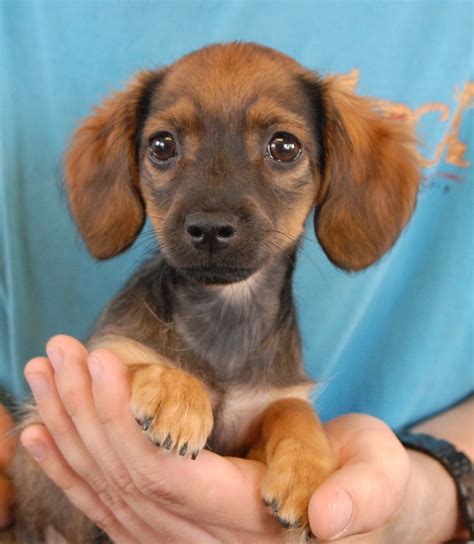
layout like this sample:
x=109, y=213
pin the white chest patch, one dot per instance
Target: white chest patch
x=242, y=407
x=240, y=292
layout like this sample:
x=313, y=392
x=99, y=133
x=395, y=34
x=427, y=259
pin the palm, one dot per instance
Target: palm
x=139, y=493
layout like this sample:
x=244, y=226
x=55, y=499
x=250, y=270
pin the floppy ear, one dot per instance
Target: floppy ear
x=102, y=173
x=370, y=178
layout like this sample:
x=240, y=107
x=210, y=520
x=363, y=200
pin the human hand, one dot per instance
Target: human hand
x=135, y=492
x=382, y=493
x=6, y=452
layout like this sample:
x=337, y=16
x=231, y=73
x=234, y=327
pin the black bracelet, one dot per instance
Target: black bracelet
x=455, y=462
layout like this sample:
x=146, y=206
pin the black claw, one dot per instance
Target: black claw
x=157, y=443
x=194, y=454
x=146, y=423
x=297, y=524
x=308, y=535
x=265, y=502
x=283, y=522
x=275, y=506
x=168, y=442
x=183, y=449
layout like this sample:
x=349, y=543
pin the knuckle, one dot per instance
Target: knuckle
x=98, y=484
x=72, y=401
x=109, y=493
x=384, y=494
x=121, y=481
x=126, y=486
x=59, y=431
x=104, y=519
x=156, y=488
x=110, y=498
x=106, y=415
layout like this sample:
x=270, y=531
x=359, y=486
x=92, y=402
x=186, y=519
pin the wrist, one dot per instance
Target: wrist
x=435, y=499
x=459, y=469
x=429, y=513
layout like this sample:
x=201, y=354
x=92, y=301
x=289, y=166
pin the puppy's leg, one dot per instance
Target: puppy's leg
x=292, y=443
x=172, y=406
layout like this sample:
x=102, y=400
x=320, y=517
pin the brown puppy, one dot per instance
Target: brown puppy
x=226, y=152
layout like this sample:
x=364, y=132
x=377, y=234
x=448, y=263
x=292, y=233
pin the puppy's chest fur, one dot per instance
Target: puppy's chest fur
x=241, y=340
x=235, y=329
x=229, y=327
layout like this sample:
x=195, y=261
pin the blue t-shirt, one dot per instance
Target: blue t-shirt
x=395, y=341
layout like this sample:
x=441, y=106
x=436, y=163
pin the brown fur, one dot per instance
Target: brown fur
x=363, y=204
x=206, y=359
x=101, y=171
x=292, y=443
x=177, y=409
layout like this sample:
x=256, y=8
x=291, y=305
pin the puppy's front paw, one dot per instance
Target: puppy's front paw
x=172, y=407
x=293, y=475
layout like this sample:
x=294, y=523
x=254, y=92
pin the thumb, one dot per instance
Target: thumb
x=365, y=492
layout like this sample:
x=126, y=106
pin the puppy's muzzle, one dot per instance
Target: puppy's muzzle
x=210, y=232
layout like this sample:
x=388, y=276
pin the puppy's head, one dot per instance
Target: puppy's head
x=227, y=151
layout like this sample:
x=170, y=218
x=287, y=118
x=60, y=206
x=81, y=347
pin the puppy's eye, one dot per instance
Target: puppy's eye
x=162, y=147
x=284, y=147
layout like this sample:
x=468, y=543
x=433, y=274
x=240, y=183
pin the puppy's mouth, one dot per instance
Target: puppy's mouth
x=216, y=275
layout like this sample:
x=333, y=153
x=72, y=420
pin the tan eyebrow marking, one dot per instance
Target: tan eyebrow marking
x=266, y=112
x=181, y=114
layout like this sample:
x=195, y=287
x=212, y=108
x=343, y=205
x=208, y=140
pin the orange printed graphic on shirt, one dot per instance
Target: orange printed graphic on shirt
x=455, y=147
x=451, y=142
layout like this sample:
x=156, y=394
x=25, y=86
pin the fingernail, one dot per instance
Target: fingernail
x=95, y=368
x=341, y=513
x=37, y=450
x=55, y=355
x=39, y=385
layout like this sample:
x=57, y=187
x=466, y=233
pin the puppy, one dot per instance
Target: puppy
x=226, y=152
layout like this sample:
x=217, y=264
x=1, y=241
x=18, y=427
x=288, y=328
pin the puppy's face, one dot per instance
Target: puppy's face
x=228, y=163
x=227, y=151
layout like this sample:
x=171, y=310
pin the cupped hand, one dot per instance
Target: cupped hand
x=382, y=493
x=134, y=491
x=6, y=452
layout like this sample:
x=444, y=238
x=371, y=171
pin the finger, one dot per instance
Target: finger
x=7, y=442
x=40, y=377
x=108, y=476
x=73, y=383
x=174, y=481
x=367, y=489
x=209, y=494
x=100, y=466
x=6, y=502
x=111, y=392
x=41, y=446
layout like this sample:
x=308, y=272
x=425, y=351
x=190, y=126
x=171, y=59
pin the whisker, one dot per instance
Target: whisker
x=154, y=314
x=302, y=251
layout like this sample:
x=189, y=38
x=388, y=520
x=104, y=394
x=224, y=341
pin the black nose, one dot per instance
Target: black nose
x=210, y=231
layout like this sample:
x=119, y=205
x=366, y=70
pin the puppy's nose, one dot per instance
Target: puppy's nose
x=210, y=231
